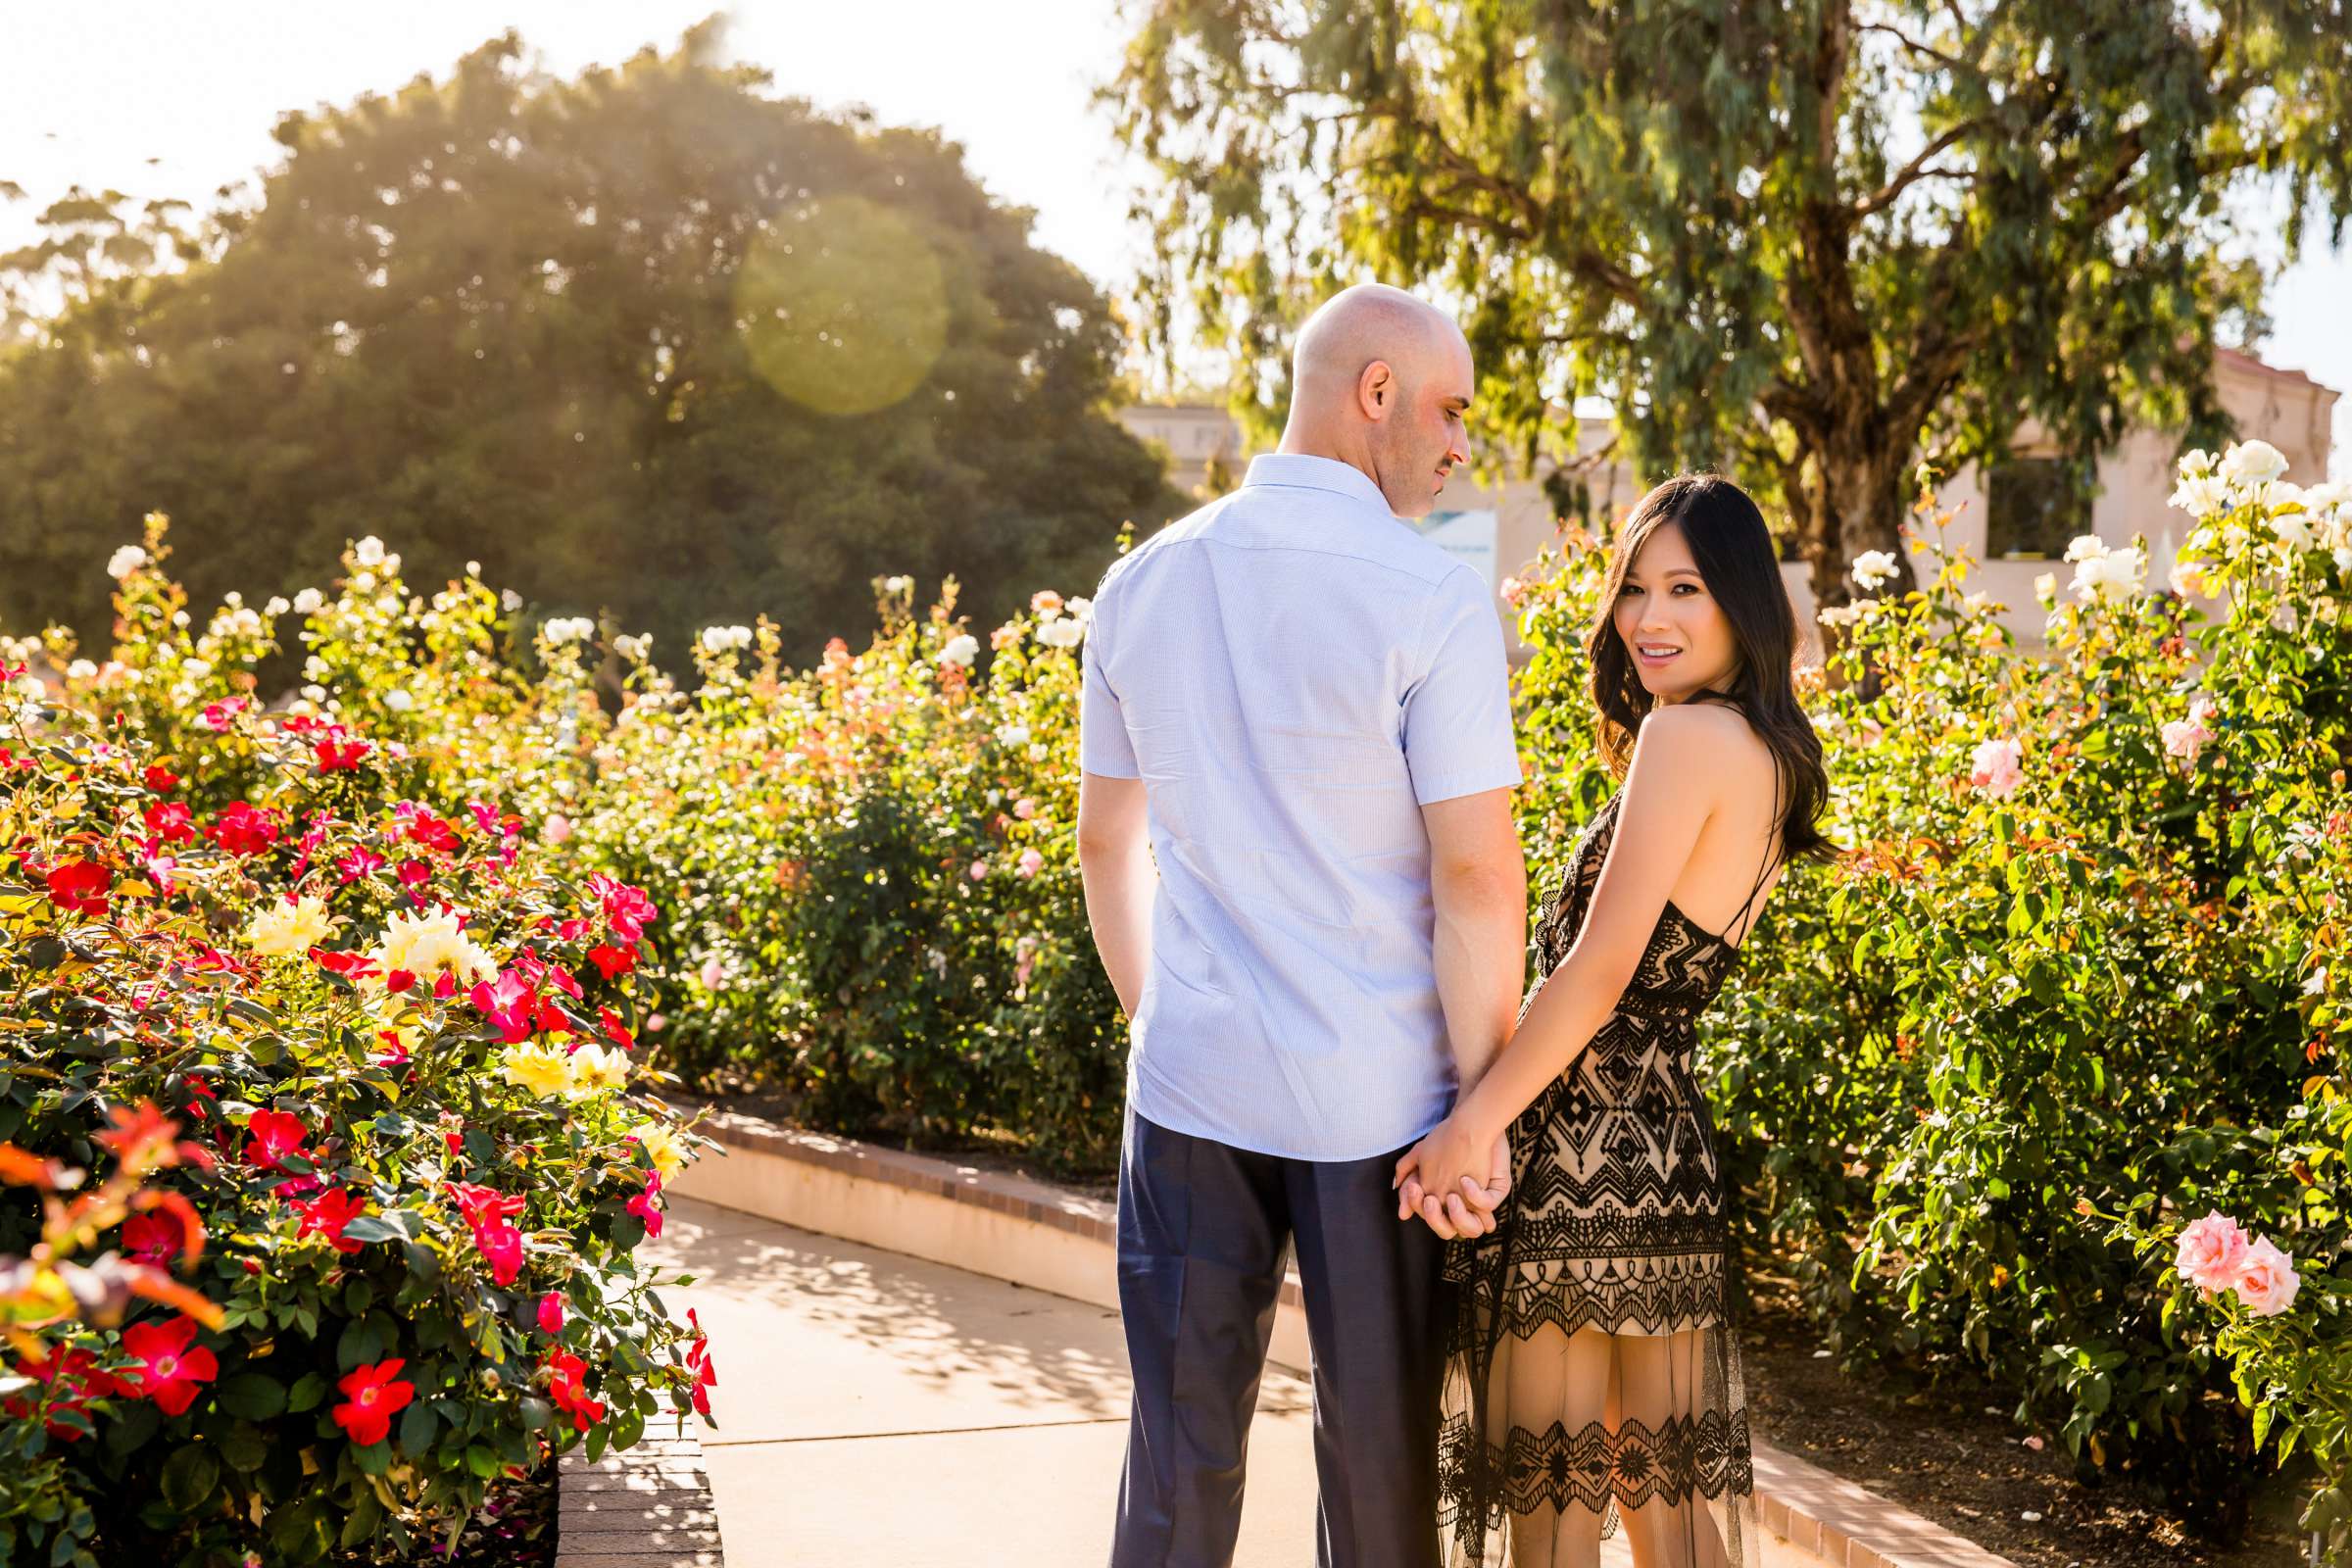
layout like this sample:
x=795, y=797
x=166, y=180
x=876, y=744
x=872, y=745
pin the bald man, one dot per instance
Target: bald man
x=1303, y=880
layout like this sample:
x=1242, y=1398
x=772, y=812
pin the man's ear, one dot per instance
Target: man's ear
x=1376, y=390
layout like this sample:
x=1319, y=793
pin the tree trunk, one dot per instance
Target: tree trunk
x=1852, y=501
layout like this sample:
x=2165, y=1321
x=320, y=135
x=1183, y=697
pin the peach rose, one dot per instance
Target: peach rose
x=2266, y=1281
x=2212, y=1251
x=1998, y=768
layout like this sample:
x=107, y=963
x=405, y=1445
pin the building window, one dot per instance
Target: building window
x=2033, y=509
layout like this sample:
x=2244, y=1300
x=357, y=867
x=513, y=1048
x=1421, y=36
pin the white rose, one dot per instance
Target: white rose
x=1013, y=735
x=2253, y=463
x=2344, y=559
x=196, y=668
x=314, y=694
x=2200, y=495
x=1874, y=569
x=630, y=647
x=125, y=560
x=1061, y=633
x=1083, y=608
x=961, y=649
x=2045, y=587
x=368, y=552
x=2086, y=547
x=399, y=701
x=509, y=600
x=82, y=669
x=276, y=606
x=308, y=601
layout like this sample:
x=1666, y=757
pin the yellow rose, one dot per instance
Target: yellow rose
x=428, y=945
x=282, y=928
x=663, y=1145
x=541, y=1069
x=599, y=1067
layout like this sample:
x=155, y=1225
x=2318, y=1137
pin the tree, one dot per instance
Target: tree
x=1812, y=244
x=647, y=341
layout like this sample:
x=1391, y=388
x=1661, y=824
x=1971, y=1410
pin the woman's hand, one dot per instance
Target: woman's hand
x=1435, y=1179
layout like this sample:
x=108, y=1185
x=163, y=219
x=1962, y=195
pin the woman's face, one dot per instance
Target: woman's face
x=1674, y=631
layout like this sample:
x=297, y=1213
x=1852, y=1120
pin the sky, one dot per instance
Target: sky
x=177, y=100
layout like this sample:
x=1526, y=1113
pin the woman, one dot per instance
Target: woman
x=1591, y=1373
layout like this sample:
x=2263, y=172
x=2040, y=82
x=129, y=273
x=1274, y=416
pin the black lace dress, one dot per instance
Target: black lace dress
x=1592, y=1378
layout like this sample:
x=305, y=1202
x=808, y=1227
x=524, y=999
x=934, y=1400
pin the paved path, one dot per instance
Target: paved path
x=875, y=1408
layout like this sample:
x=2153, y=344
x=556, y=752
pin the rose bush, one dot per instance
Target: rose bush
x=870, y=876
x=371, y=998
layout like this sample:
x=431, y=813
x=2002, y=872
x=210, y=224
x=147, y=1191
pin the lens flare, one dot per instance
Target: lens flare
x=843, y=306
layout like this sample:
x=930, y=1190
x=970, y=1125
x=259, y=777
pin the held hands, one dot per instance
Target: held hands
x=1434, y=1180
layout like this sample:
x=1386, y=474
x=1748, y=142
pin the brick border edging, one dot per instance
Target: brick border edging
x=1811, y=1516
x=645, y=1506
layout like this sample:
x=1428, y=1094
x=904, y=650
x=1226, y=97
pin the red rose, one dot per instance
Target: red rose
x=80, y=887
x=565, y=1371
x=244, y=829
x=169, y=821
x=326, y=1215
x=276, y=1135
x=340, y=757
x=372, y=1397
x=172, y=1372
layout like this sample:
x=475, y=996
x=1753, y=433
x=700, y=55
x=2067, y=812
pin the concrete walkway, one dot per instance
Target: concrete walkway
x=876, y=1408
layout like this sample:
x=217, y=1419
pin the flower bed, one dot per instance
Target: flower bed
x=371, y=1144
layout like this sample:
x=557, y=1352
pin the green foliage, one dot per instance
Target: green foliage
x=873, y=878
x=1805, y=243
x=640, y=342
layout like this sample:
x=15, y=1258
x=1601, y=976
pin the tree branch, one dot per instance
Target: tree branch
x=1950, y=62
x=1914, y=171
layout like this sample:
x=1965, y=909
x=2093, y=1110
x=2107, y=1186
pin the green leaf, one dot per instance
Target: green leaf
x=255, y=1396
x=189, y=1477
x=307, y=1392
x=416, y=1425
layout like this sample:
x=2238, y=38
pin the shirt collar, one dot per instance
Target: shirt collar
x=1301, y=472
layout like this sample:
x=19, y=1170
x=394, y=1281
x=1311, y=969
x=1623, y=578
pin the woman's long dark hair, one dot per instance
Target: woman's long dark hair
x=1733, y=549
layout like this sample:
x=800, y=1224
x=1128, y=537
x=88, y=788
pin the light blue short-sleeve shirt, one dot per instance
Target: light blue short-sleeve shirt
x=1293, y=674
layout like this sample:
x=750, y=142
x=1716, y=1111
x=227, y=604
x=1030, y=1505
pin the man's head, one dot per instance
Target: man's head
x=1380, y=379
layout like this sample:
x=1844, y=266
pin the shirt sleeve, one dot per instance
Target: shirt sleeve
x=1104, y=748
x=1458, y=717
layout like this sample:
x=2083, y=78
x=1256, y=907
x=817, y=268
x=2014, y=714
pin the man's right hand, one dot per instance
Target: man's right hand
x=1468, y=1213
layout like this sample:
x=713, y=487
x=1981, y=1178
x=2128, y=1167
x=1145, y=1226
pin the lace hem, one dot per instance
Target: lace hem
x=1707, y=1455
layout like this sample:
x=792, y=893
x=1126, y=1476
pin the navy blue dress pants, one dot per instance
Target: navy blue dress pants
x=1201, y=1227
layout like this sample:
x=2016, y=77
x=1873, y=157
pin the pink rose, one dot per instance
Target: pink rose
x=558, y=829
x=551, y=1312
x=979, y=870
x=2185, y=738
x=2266, y=1281
x=1024, y=809
x=2212, y=1251
x=714, y=975
x=1032, y=863
x=1998, y=767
